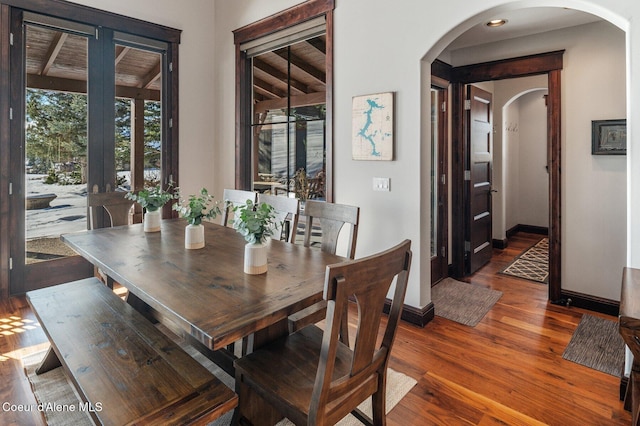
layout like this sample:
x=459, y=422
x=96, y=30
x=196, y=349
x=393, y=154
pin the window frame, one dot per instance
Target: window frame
x=274, y=23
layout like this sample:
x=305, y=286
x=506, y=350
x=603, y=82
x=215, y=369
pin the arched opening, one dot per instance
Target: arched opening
x=566, y=126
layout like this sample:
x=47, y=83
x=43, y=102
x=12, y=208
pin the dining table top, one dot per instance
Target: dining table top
x=205, y=291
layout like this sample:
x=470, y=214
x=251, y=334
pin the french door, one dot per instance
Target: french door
x=89, y=113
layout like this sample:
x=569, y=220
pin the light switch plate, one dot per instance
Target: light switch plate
x=381, y=184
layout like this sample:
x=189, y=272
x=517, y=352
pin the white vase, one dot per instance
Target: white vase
x=255, y=258
x=151, y=221
x=194, y=236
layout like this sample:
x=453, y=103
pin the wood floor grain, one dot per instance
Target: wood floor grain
x=508, y=370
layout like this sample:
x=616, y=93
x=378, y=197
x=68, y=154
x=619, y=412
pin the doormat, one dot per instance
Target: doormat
x=597, y=344
x=532, y=265
x=463, y=302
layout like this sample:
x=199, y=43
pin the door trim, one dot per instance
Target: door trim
x=549, y=63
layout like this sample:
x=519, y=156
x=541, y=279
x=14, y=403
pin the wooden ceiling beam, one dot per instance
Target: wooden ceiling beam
x=268, y=89
x=316, y=98
x=52, y=53
x=151, y=76
x=304, y=66
x=296, y=86
x=121, y=52
x=319, y=44
x=80, y=86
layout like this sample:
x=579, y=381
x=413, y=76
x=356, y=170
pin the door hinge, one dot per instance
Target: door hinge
x=444, y=107
x=467, y=246
x=443, y=179
x=10, y=188
x=467, y=175
x=10, y=263
x=171, y=123
x=11, y=39
x=170, y=66
x=97, y=34
x=10, y=113
x=467, y=104
x=442, y=251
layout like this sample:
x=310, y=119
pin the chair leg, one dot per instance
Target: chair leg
x=378, y=405
x=252, y=409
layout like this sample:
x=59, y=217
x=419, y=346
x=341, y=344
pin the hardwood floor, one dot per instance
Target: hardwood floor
x=508, y=370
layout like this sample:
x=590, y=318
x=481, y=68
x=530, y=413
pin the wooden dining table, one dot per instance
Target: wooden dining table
x=204, y=293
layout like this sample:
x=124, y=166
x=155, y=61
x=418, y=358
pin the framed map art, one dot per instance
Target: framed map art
x=372, y=127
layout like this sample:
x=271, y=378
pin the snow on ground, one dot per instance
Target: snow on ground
x=67, y=212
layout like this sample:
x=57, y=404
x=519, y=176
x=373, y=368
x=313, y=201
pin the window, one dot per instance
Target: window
x=284, y=101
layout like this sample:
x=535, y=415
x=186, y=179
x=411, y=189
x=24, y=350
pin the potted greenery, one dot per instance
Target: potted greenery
x=194, y=209
x=152, y=199
x=255, y=222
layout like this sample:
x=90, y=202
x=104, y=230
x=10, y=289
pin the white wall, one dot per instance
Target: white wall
x=533, y=183
x=378, y=47
x=526, y=182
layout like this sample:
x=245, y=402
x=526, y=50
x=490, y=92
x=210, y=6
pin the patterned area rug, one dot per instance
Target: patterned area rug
x=597, y=344
x=533, y=264
x=463, y=302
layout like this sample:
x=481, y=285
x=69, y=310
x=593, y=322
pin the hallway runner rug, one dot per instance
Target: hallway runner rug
x=597, y=344
x=533, y=264
x=463, y=302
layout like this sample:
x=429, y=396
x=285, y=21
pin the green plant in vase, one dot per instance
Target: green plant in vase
x=255, y=222
x=152, y=199
x=195, y=209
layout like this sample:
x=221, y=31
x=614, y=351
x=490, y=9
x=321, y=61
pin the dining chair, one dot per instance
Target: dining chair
x=331, y=218
x=312, y=376
x=118, y=209
x=287, y=211
x=233, y=198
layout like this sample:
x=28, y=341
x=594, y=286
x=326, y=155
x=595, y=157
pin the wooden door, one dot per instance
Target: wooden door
x=439, y=185
x=478, y=125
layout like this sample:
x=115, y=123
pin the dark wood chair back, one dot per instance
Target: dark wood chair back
x=312, y=376
x=233, y=198
x=117, y=207
x=332, y=218
x=287, y=212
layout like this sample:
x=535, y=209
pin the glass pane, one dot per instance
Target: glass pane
x=138, y=116
x=289, y=112
x=434, y=172
x=55, y=141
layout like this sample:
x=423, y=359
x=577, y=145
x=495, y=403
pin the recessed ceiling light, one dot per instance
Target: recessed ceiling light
x=496, y=23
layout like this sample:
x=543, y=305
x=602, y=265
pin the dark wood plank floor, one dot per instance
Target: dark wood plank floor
x=508, y=370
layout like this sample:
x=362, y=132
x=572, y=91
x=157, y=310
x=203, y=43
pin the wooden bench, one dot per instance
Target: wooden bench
x=119, y=362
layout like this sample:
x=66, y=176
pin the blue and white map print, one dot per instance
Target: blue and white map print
x=373, y=127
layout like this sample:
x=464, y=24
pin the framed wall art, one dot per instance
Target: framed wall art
x=609, y=137
x=373, y=127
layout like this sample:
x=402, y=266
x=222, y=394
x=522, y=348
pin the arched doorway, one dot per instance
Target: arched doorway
x=556, y=292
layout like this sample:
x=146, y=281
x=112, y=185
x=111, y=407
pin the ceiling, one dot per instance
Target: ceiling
x=57, y=60
x=298, y=71
x=520, y=23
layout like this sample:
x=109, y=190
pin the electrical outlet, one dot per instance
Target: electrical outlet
x=381, y=184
